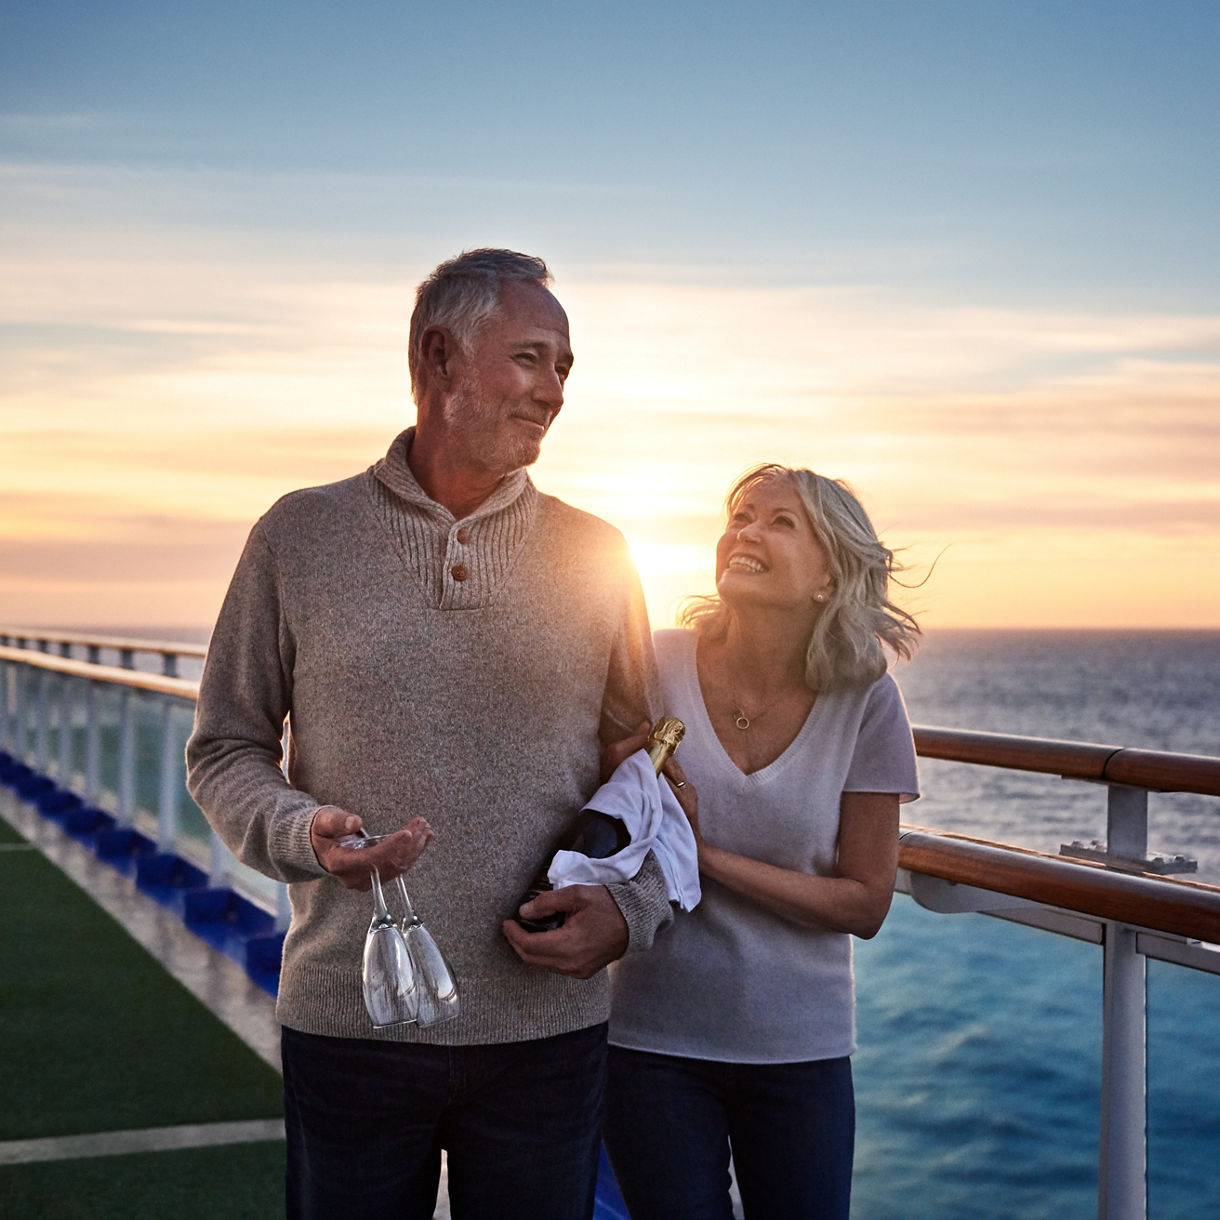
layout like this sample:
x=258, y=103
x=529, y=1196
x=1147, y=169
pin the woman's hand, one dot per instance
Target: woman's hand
x=614, y=753
x=684, y=790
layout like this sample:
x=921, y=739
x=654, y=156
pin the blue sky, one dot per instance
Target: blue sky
x=826, y=229
x=1001, y=149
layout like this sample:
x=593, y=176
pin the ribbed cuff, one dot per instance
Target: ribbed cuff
x=644, y=904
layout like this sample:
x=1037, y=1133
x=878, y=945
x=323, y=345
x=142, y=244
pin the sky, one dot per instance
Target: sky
x=963, y=255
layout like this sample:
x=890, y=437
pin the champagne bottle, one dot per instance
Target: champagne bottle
x=600, y=835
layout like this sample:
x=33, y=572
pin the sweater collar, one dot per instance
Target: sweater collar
x=394, y=472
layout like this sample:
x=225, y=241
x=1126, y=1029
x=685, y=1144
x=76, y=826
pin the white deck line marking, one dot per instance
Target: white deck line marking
x=151, y=1139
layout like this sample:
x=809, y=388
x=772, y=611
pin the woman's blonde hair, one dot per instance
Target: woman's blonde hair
x=858, y=621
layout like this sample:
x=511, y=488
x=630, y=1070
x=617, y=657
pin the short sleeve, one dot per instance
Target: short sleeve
x=884, y=756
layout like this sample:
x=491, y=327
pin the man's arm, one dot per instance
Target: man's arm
x=630, y=700
x=604, y=922
x=234, y=755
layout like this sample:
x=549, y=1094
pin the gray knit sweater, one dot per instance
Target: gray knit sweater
x=461, y=670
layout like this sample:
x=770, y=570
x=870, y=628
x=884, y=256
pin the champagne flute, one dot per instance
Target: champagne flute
x=438, y=993
x=391, y=991
x=433, y=993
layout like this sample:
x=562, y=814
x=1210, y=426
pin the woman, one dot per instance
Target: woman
x=734, y=1031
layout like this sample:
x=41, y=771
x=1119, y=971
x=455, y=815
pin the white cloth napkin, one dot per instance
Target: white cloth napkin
x=655, y=822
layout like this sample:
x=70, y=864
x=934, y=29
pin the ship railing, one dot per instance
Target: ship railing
x=61, y=716
x=97, y=647
x=104, y=745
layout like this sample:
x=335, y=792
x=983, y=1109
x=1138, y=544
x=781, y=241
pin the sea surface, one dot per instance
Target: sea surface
x=978, y=1072
x=978, y=1075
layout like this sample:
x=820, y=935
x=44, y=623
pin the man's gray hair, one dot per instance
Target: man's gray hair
x=463, y=293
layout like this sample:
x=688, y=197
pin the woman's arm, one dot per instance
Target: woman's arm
x=855, y=900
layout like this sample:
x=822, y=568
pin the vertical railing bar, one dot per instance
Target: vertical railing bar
x=127, y=658
x=1127, y=822
x=93, y=761
x=218, y=863
x=20, y=737
x=64, y=768
x=42, y=723
x=169, y=664
x=6, y=741
x=127, y=758
x=283, y=908
x=1122, y=1182
x=167, y=811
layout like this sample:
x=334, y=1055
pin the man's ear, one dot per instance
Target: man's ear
x=438, y=350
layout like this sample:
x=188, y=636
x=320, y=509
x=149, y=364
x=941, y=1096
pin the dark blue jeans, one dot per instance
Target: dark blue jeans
x=671, y=1122
x=366, y=1122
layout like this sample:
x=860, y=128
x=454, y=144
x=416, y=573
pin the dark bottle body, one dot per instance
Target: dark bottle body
x=593, y=834
x=598, y=835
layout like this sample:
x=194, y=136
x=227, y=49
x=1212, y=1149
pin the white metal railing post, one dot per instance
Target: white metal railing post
x=283, y=908
x=64, y=768
x=93, y=752
x=6, y=739
x=218, y=863
x=1127, y=822
x=127, y=757
x=1122, y=1182
x=20, y=674
x=42, y=722
x=167, y=811
x=1123, y=1160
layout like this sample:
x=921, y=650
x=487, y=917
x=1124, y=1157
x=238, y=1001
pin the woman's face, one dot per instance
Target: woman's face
x=768, y=553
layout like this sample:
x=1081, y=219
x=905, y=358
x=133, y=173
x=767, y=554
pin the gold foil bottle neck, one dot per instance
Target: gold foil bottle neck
x=666, y=734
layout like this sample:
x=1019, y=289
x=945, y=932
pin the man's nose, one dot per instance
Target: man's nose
x=549, y=388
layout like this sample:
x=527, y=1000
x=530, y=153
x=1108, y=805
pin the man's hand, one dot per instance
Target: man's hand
x=353, y=866
x=593, y=934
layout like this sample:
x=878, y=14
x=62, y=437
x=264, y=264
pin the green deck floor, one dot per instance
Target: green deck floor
x=98, y=1038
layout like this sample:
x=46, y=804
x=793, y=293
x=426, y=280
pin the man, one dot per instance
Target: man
x=447, y=645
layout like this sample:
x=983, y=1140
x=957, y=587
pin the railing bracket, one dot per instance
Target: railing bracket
x=954, y=898
x=1161, y=863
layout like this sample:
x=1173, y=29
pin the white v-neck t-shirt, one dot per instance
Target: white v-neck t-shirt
x=731, y=981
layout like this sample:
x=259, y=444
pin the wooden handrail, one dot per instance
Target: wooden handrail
x=183, y=688
x=1157, y=770
x=119, y=643
x=1184, y=908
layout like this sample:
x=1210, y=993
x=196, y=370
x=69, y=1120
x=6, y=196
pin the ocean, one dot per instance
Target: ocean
x=978, y=1075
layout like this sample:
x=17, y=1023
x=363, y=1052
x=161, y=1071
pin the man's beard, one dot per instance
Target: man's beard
x=491, y=438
